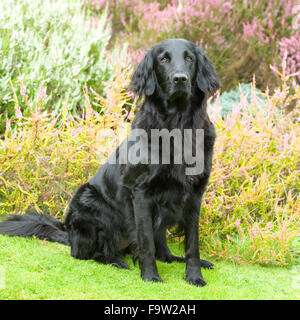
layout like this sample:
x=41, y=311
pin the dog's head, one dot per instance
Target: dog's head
x=175, y=67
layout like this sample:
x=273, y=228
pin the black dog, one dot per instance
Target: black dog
x=128, y=207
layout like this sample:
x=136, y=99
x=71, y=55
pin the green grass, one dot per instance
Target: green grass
x=35, y=269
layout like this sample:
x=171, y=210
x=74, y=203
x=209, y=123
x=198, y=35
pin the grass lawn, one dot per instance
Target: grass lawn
x=34, y=269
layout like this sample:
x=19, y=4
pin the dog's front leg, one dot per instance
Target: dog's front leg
x=145, y=239
x=193, y=264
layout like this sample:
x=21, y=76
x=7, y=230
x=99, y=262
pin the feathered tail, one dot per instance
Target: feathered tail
x=34, y=224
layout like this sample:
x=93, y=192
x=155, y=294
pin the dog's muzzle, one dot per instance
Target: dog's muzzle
x=181, y=86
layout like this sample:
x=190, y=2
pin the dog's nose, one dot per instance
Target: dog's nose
x=180, y=78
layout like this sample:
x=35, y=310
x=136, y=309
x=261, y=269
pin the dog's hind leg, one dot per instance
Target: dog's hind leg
x=93, y=229
x=88, y=242
x=108, y=251
x=206, y=264
x=162, y=252
x=113, y=260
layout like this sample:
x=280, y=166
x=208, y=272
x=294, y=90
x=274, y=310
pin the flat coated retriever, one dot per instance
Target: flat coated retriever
x=127, y=207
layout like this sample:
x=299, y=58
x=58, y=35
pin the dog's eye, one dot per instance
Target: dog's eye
x=187, y=58
x=164, y=59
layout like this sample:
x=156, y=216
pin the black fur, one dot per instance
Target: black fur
x=34, y=224
x=127, y=208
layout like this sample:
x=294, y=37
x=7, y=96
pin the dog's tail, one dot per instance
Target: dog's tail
x=33, y=224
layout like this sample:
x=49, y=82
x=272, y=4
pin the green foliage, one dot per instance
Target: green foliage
x=51, y=41
x=252, y=207
x=232, y=98
x=42, y=163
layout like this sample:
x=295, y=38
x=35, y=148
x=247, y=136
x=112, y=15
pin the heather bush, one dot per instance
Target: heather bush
x=291, y=47
x=241, y=37
x=251, y=209
x=51, y=41
x=42, y=163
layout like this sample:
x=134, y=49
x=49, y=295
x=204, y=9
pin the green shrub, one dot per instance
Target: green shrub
x=51, y=41
x=232, y=98
x=42, y=163
x=251, y=211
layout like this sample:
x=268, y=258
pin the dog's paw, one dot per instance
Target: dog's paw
x=196, y=280
x=177, y=259
x=120, y=264
x=152, y=278
x=170, y=259
x=206, y=264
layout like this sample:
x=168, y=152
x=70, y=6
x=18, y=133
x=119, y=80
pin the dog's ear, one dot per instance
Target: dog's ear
x=144, y=80
x=207, y=78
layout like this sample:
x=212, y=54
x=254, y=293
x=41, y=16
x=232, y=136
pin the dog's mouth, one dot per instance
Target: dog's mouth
x=178, y=101
x=179, y=95
x=180, y=98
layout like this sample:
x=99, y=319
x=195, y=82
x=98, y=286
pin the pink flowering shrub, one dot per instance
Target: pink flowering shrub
x=292, y=47
x=241, y=37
